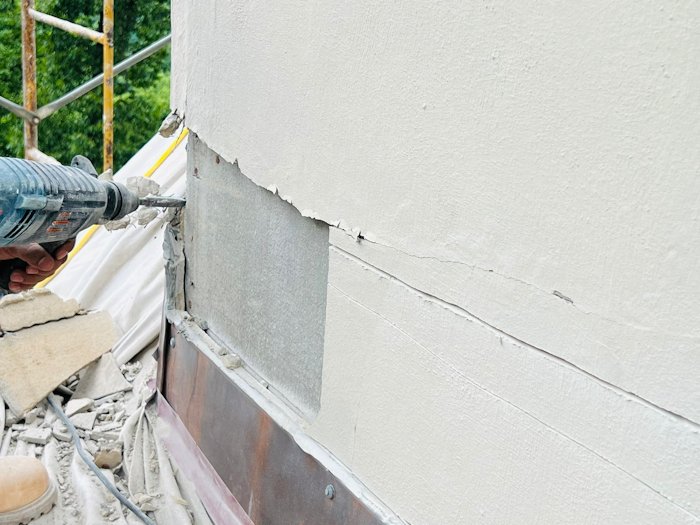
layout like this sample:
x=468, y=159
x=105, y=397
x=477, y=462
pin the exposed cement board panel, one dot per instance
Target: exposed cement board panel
x=257, y=273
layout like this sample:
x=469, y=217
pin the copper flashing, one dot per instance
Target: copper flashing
x=259, y=462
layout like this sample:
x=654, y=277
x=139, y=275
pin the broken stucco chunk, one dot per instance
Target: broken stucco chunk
x=231, y=361
x=37, y=436
x=60, y=432
x=32, y=308
x=84, y=420
x=143, y=186
x=77, y=405
x=101, y=379
x=35, y=360
x=146, y=215
x=119, y=224
x=109, y=456
x=147, y=502
x=170, y=125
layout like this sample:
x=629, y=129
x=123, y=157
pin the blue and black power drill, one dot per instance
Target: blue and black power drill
x=49, y=204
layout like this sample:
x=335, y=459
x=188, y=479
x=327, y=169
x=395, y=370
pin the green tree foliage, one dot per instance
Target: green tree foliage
x=65, y=61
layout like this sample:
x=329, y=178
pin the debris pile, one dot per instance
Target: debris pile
x=43, y=341
x=107, y=405
x=96, y=400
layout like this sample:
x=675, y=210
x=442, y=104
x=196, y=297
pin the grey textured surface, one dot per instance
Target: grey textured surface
x=257, y=273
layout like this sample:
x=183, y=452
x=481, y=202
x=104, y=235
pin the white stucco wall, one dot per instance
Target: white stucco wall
x=516, y=338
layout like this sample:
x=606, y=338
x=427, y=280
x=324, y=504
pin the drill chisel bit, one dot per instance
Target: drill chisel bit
x=162, y=202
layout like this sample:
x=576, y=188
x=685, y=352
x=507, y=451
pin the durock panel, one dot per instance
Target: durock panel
x=257, y=273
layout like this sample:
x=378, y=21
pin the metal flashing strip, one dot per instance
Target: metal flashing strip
x=222, y=507
x=260, y=463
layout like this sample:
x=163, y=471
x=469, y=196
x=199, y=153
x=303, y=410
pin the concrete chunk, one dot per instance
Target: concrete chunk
x=101, y=379
x=75, y=406
x=36, y=360
x=10, y=418
x=60, y=431
x=61, y=436
x=143, y=186
x=38, y=436
x=108, y=435
x=32, y=308
x=85, y=421
x=90, y=446
x=231, y=361
x=32, y=416
x=107, y=427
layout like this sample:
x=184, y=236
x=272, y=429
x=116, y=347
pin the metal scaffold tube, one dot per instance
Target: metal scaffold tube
x=18, y=110
x=31, y=131
x=68, y=27
x=52, y=107
x=108, y=84
x=33, y=116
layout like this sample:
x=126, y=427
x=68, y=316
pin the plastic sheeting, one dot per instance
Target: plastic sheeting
x=121, y=271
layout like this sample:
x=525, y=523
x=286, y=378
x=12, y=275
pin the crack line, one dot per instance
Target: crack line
x=462, y=312
x=548, y=293
x=486, y=390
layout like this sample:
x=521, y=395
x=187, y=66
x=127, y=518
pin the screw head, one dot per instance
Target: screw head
x=172, y=342
x=330, y=491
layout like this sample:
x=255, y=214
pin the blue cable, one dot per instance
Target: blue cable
x=91, y=464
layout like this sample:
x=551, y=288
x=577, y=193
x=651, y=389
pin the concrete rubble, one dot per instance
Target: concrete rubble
x=38, y=436
x=44, y=340
x=101, y=379
x=117, y=430
x=75, y=406
x=106, y=403
x=142, y=186
x=109, y=455
x=32, y=308
x=84, y=421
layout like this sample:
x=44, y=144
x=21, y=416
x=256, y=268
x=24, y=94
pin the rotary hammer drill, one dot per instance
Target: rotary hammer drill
x=49, y=204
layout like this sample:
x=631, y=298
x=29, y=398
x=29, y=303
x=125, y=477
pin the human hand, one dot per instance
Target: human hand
x=40, y=263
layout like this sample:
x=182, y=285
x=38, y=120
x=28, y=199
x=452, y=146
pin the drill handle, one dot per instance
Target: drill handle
x=9, y=266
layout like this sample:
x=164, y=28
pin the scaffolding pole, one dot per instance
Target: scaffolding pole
x=31, y=129
x=28, y=110
x=108, y=85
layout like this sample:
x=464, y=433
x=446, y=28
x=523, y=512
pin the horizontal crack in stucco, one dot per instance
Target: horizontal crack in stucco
x=554, y=293
x=461, y=312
